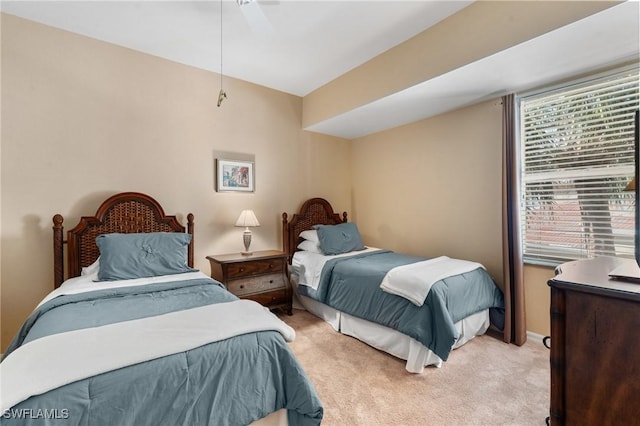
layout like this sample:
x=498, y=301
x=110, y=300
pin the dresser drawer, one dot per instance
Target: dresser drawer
x=255, y=267
x=276, y=297
x=258, y=284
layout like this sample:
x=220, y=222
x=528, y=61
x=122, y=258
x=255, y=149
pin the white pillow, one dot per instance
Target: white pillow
x=311, y=235
x=308, y=245
x=91, y=269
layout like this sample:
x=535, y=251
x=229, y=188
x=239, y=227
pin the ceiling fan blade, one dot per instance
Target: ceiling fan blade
x=256, y=18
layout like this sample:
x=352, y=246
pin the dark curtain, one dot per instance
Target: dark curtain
x=515, y=327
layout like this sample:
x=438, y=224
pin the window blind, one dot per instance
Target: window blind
x=577, y=156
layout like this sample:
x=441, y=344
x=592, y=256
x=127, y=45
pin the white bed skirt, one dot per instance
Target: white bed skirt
x=391, y=341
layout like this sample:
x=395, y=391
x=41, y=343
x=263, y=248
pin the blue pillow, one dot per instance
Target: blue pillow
x=128, y=256
x=338, y=239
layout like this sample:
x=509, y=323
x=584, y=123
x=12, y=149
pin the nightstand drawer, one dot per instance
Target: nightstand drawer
x=272, y=298
x=257, y=284
x=245, y=269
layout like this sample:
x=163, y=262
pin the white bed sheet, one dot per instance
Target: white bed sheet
x=388, y=340
x=308, y=265
x=86, y=283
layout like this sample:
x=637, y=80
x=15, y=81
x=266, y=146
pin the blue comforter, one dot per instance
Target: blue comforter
x=230, y=382
x=352, y=285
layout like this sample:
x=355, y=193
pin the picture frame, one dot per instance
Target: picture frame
x=235, y=175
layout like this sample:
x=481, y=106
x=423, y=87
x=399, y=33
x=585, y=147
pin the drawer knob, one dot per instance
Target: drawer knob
x=241, y=269
x=270, y=281
x=271, y=265
x=241, y=285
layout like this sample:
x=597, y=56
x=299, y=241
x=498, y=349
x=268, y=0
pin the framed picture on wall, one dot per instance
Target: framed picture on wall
x=234, y=175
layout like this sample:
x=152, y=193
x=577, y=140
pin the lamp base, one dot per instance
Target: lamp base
x=246, y=239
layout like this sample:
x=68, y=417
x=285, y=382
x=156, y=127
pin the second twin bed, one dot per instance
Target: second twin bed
x=414, y=308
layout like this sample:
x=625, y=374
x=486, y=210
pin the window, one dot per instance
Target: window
x=577, y=156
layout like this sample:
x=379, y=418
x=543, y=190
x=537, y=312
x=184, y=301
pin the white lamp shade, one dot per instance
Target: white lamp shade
x=247, y=218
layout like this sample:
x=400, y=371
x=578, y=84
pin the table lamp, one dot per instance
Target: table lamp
x=247, y=219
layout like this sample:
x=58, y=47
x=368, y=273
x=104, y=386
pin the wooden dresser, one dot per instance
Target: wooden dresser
x=261, y=276
x=595, y=345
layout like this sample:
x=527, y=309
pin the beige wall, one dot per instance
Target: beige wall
x=82, y=120
x=1, y=345
x=433, y=188
x=538, y=298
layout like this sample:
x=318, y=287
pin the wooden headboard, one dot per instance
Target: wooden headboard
x=127, y=212
x=314, y=211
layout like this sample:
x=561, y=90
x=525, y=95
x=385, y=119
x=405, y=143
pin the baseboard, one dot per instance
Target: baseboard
x=535, y=337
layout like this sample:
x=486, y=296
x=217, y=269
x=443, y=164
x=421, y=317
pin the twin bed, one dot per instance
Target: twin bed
x=137, y=336
x=414, y=308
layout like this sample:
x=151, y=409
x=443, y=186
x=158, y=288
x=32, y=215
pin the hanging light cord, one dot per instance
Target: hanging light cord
x=222, y=95
x=221, y=44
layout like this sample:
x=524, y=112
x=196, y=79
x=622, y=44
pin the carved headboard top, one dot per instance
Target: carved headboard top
x=314, y=211
x=127, y=212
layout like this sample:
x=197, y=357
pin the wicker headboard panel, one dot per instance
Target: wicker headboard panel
x=127, y=212
x=315, y=211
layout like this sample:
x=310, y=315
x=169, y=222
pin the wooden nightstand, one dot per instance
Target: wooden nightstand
x=261, y=276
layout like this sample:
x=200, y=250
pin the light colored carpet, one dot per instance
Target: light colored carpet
x=485, y=382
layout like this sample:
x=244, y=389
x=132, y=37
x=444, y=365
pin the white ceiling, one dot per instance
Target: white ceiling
x=298, y=46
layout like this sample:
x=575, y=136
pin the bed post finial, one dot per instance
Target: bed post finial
x=344, y=216
x=190, y=231
x=58, y=252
